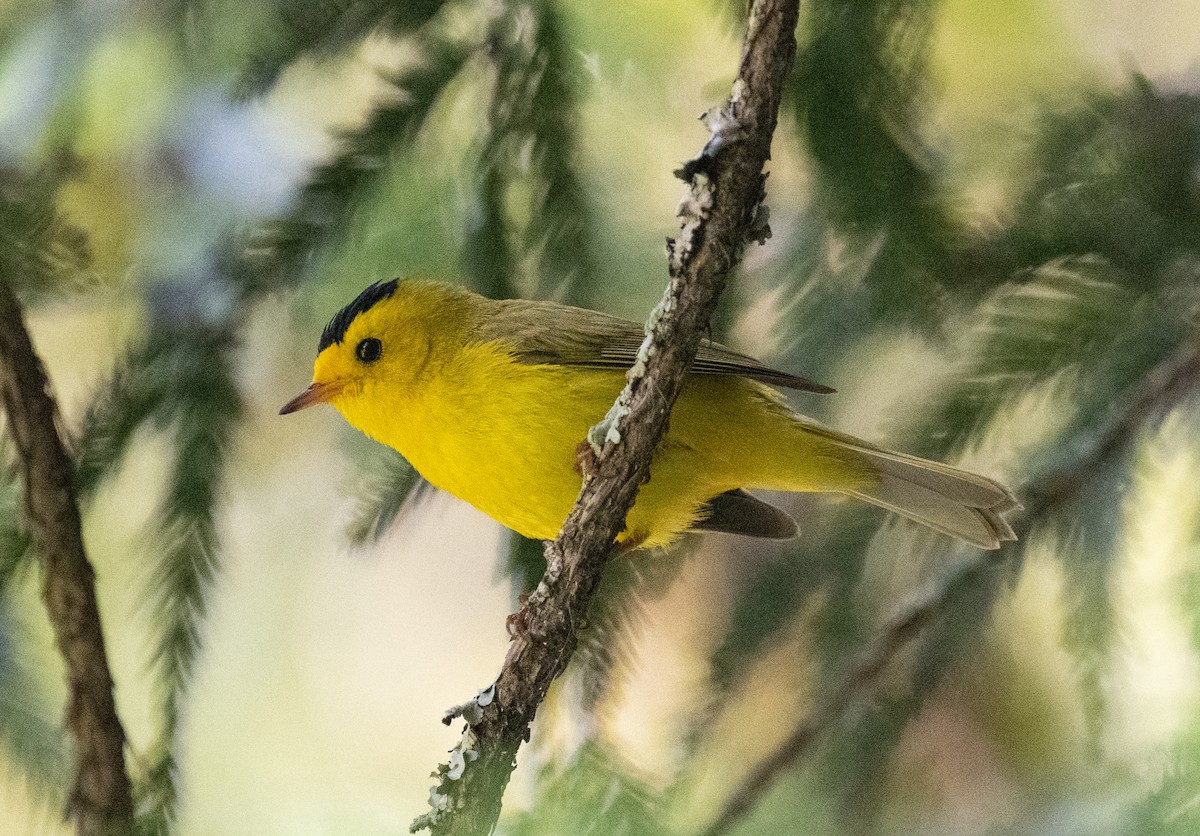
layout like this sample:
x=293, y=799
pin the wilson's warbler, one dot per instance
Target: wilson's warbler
x=489, y=400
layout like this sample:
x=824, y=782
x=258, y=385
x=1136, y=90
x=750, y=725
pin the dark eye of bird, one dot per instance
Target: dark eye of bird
x=369, y=350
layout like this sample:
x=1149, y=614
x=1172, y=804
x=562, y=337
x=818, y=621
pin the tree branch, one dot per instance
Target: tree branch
x=719, y=215
x=1169, y=382
x=860, y=677
x=100, y=799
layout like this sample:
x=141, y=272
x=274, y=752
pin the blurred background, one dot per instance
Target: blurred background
x=986, y=223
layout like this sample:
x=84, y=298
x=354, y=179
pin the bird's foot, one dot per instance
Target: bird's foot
x=515, y=623
x=586, y=461
x=631, y=540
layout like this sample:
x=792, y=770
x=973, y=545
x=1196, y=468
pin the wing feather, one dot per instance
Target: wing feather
x=546, y=332
x=737, y=512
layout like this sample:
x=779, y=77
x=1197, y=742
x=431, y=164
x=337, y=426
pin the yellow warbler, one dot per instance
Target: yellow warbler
x=489, y=400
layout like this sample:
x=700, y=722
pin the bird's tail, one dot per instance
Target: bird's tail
x=949, y=500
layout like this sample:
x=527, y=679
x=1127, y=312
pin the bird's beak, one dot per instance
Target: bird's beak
x=316, y=393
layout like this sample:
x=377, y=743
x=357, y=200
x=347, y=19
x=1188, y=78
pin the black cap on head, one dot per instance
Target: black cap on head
x=335, y=331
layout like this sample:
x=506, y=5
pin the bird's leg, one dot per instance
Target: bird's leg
x=585, y=459
x=631, y=540
x=515, y=622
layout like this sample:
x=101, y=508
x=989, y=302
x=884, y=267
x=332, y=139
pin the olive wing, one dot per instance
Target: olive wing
x=546, y=332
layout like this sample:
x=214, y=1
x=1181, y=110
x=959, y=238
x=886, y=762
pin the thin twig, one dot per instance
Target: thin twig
x=719, y=215
x=100, y=798
x=1169, y=382
x=859, y=679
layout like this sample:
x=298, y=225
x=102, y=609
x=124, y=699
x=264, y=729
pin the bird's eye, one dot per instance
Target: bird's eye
x=369, y=350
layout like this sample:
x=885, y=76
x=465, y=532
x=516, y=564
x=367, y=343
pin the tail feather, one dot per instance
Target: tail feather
x=946, y=499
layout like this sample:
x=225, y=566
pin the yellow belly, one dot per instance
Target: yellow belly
x=503, y=437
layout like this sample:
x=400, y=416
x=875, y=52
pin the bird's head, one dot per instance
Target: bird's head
x=375, y=346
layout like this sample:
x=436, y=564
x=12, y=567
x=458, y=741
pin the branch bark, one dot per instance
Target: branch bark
x=719, y=215
x=100, y=798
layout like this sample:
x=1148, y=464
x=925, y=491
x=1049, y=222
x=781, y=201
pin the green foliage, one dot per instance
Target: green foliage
x=1171, y=810
x=28, y=736
x=1050, y=319
x=191, y=389
x=325, y=205
x=38, y=247
x=1079, y=290
x=765, y=604
x=607, y=655
x=134, y=393
x=529, y=233
x=209, y=407
x=1114, y=178
x=525, y=563
x=591, y=795
x=393, y=486
x=857, y=97
x=860, y=77
x=324, y=28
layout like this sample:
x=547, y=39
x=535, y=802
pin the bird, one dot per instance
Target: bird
x=490, y=400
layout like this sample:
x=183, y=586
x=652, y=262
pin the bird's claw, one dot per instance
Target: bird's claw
x=515, y=623
x=586, y=461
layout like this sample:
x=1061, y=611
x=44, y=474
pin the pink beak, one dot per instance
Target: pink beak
x=316, y=393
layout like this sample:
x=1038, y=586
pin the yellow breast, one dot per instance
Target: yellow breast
x=498, y=434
